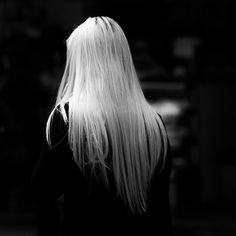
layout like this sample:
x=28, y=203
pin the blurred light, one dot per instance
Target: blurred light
x=185, y=47
x=169, y=107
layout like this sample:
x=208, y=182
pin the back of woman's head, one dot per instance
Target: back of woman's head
x=107, y=108
x=99, y=60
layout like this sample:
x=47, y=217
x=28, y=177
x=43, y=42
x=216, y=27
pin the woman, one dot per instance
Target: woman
x=107, y=150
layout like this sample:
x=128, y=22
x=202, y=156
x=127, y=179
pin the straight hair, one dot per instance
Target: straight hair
x=107, y=108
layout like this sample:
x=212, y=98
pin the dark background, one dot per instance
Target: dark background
x=183, y=51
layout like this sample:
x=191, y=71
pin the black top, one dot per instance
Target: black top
x=90, y=207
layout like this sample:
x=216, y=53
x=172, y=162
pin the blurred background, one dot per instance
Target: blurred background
x=183, y=52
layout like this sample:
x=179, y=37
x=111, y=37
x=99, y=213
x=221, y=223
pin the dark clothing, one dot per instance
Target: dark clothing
x=90, y=208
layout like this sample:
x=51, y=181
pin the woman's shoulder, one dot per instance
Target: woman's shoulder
x=59, y=123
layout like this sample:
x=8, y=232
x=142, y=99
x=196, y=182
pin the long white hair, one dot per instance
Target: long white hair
x=107, y=108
